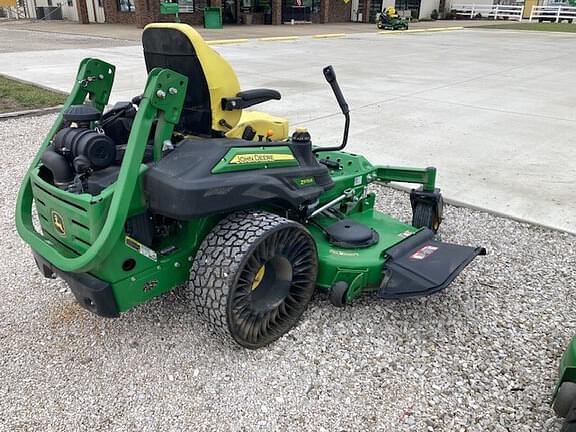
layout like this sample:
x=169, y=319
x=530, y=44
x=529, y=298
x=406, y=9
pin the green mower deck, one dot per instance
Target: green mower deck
x=248, y=227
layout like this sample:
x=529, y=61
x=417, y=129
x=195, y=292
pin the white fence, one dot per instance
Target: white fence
x=553, y=13
x=489, y=11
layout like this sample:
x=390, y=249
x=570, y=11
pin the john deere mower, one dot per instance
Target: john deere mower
x=564, y=399
x=182, y=187
x=389, y=19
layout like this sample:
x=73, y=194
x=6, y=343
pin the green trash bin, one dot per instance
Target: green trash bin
x=168, y=8
x=212, y=18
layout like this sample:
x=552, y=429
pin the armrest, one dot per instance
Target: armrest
x=247, y=98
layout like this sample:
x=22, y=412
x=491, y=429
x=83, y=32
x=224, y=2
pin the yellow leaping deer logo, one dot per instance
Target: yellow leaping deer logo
x=58, y=223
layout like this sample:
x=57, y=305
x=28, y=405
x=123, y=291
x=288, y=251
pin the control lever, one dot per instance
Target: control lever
x=330, y=76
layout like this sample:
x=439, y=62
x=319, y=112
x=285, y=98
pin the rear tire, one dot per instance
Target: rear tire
x=253, y=276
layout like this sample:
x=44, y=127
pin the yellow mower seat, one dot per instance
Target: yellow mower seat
x=214, y=103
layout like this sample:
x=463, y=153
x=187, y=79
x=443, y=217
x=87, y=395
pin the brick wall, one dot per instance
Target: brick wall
x=148, y=11
x=113, y=15
x=335, y=11
x=338, y=11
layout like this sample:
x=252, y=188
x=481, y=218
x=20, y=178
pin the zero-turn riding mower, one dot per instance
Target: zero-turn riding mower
x=181, y=187
x=564, y=399
x=389, y=19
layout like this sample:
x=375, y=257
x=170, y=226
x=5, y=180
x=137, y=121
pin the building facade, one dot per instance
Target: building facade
x=142, y=12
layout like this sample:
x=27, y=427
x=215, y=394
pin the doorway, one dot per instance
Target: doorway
x=356, y=11
x=301, y=11
x=230, y=12
x=410, y=8
x=95, y=11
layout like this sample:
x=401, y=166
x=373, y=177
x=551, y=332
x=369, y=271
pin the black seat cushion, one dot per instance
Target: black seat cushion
x=170, y=48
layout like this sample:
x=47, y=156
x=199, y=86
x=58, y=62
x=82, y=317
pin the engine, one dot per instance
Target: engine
x=88, y=143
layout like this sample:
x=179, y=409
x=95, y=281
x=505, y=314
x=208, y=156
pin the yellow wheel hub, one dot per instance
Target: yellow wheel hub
x=258, y=278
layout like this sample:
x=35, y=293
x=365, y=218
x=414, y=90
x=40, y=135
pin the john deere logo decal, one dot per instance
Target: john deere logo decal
x=58, y=223
x=250, y=158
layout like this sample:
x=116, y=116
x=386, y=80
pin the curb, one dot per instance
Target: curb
x=30, y=113
x=32, y=83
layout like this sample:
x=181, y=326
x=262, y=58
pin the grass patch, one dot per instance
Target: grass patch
x=549, y=27
x=18, y=96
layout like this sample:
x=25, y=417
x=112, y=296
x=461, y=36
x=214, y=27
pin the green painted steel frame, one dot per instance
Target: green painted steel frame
x=355, y=172
x=162, y=100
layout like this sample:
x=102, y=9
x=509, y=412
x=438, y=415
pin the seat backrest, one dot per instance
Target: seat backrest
x=210, y=78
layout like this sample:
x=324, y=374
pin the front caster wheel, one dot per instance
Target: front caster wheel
x=338, y=293
x=254, y=276
x=427, y=209
x=564, y=399
x=570, y=421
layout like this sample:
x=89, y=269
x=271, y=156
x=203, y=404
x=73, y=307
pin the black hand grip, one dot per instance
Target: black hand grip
x=330, y=76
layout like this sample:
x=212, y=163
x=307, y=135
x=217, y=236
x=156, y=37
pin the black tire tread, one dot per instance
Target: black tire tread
x=423, y=216
x=219, y=259
x=565, y=398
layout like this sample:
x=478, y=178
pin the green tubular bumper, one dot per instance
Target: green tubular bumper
x=96, y=223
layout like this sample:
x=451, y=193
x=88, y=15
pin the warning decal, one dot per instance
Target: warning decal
x=424, y=252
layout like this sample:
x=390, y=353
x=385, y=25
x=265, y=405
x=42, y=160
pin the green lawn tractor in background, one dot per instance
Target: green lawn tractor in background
x=564, y=399
x=182, y=187
x=389, y=19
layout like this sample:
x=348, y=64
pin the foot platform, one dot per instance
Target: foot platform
x=422, y=266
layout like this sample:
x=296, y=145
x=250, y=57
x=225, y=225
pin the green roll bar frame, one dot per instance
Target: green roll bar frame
x=162, y=100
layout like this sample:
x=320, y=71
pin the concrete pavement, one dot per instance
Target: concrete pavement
x=492, y=110
x=16, y=38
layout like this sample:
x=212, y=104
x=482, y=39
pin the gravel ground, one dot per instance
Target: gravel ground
x=480, y=356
